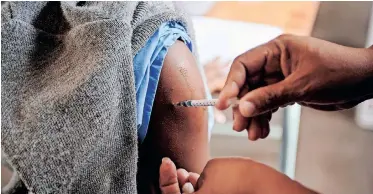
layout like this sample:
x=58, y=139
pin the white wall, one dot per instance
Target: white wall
x=195, y=8
x=364, y=111
x=370, y=32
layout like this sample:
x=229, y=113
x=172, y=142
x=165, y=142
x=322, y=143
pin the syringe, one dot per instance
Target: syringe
x=203, y=102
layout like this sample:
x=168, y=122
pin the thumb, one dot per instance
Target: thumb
x=266, y=98
x=168, y=182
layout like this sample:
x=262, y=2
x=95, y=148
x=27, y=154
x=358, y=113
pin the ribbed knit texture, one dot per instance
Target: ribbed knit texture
x=68, y=94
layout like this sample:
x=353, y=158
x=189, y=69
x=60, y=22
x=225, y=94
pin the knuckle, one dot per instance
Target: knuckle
x=300, y=87
x=301, y=93
x=170, y=189
x=283, y=37
x=280, y=41
x=237, y=65
x=236, y=62
x=272, y=98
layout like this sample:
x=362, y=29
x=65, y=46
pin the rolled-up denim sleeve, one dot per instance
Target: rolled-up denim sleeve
x=148, y=64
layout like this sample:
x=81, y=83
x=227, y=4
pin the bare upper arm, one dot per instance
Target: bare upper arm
x=184, y=131
x=178, y=132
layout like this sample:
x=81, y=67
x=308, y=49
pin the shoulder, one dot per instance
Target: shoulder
x=150, y=15
x=181, y=78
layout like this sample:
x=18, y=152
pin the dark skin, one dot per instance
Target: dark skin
x=293, y=69
x=176, y=132
x=288, y=69
x=229, y=175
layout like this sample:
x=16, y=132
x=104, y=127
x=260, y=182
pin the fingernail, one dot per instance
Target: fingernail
x=250, y=134
x=234, y=87
x=218, y=101
x=247, y=108
x=253, y=135
x=166, y=160
x=219, y=105
x=234, y=127
x=187, y=188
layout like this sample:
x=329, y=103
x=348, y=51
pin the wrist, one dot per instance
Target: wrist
x=370, y=63
x=369, y=70
x=360, y=66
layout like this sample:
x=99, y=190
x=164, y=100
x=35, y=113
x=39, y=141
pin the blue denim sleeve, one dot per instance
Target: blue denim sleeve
x=148, y=64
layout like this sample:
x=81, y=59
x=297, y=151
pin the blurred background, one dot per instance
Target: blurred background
x=331, y=152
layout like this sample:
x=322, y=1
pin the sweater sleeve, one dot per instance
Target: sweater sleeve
x=68, y=91
x=68, y=96
x=150, y=15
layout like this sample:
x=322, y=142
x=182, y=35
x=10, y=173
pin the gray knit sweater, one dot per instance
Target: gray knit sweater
x=68, y=94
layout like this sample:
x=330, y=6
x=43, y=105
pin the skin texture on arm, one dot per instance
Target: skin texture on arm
x=176, y=132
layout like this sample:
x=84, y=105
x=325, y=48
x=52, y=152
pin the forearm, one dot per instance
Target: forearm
x=368, y=82
x=370, y=59
x=357, y=65
x=267, y=180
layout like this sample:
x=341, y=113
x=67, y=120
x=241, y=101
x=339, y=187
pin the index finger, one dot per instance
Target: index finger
x=246, y=65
